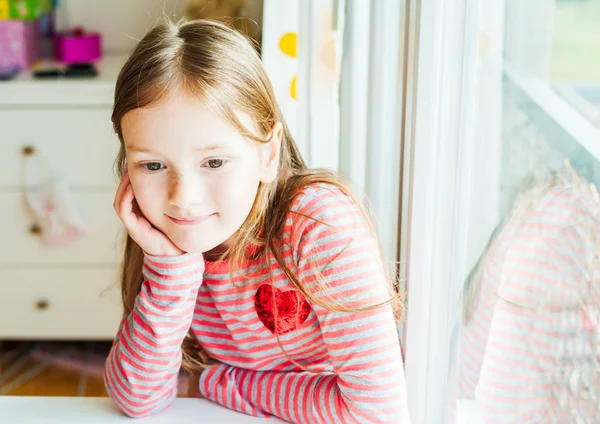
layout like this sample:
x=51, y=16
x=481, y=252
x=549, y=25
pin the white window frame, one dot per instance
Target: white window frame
x=442, y=88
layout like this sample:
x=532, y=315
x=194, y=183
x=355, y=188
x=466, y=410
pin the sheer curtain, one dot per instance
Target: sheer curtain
x=339, y=69
x=301, y=49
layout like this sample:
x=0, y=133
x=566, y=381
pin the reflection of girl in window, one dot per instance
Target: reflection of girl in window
x=528, y=350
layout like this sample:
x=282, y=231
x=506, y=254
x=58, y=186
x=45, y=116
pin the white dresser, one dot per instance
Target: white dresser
x=71, y=291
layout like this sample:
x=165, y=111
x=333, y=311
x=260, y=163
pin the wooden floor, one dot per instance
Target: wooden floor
x=69, y=369
x=52, y=381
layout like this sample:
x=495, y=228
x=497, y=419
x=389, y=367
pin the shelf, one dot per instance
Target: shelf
x=27, y=91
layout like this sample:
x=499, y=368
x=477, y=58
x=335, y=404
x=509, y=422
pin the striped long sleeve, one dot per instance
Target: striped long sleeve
x=336, y=249
x=143, y=365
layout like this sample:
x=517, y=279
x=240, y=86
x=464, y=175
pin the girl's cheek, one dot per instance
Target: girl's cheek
x=136, y=182
x=141, y=179
x=226, y=185
x=147, y=190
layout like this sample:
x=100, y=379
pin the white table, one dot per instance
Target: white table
x=48, y=410
x=467, y=412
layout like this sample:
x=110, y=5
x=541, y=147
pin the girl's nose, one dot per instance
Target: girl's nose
x=185, y=192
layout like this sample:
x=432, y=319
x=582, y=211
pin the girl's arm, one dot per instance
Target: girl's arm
x=142, y=368
x=366, y=384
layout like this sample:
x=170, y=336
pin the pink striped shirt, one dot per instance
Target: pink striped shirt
x=356, y=357
x=531, y=328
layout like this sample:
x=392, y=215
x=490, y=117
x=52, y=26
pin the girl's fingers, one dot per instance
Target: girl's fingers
x=138, y=227
x=125, y=208
x=121, y=189
x=134, y=221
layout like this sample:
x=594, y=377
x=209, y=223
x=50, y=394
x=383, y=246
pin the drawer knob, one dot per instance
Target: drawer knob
x=28, y=150
x=35, y=229
x=42, y=305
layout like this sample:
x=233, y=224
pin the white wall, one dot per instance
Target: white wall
x=123, y=22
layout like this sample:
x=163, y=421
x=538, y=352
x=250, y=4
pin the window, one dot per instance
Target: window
x=504, y=214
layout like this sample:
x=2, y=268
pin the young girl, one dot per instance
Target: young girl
x=264, y=279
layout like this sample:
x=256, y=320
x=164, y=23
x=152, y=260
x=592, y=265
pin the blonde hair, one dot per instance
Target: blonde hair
x=218, y=64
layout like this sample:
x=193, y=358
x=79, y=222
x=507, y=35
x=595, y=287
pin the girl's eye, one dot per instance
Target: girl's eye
x=215, y=163
x=153, y=166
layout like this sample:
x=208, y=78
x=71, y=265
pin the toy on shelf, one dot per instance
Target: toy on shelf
x=19, y=43
x=24, y=9
x=8, y=73
x=4, y=9
x=77, y=46
x=26, y=26
x=72, y=70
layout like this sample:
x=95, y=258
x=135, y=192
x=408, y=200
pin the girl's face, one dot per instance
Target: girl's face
x=194, y=176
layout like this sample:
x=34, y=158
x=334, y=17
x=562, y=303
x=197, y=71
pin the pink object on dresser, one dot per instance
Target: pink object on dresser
x=74, y=47
x=19, y=43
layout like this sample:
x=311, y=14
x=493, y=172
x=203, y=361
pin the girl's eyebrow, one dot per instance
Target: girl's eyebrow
x=198, y=149
x=209, y=148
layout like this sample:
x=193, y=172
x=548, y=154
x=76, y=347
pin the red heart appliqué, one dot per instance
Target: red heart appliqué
x=292, y=308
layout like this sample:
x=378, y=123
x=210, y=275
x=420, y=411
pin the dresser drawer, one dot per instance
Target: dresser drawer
x=102, y=245
x=59, y=303
x=79, y=143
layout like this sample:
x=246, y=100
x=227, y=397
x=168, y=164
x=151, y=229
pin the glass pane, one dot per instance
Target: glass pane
x=575, y=66
x=525, y=347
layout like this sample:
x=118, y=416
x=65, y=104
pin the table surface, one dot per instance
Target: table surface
x=467, y=412
x=46, y=410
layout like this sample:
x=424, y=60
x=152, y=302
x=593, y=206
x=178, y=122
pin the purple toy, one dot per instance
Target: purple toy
x=19, y=43
x=75, y=46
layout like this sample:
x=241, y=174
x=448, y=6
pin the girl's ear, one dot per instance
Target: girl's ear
x=270, y=154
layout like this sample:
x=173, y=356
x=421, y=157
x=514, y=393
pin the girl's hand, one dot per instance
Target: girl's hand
x=151, y=240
